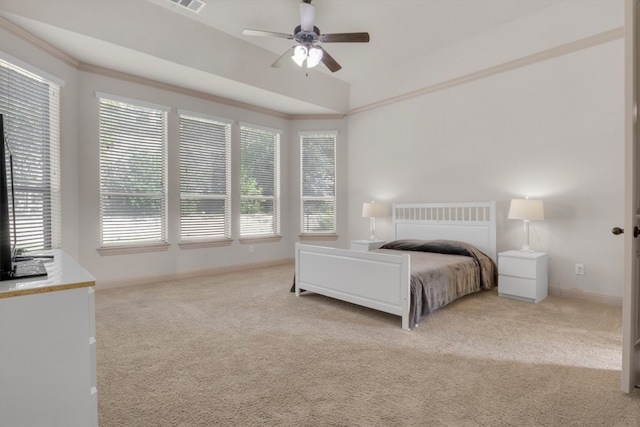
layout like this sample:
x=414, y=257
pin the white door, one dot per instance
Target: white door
x=631, y=295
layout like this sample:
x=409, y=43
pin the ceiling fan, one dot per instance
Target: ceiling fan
x=307, y=35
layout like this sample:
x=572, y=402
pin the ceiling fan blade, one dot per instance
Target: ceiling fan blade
x=307, y=16
x=344, y=38
x=328, y=61
x=267, y=34
x=284, y=58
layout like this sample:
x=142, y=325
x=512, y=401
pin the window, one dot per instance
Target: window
x=133, y=196
x=259, y=181
x=205, y=178
x=318, y=182
x=30, y=107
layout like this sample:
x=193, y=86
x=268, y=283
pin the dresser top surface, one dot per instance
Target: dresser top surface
x=62, y=273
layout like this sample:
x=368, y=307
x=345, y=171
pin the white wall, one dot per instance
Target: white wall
x=551, y=130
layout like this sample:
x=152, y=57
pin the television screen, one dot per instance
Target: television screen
x=11, y=267
x=5, y=233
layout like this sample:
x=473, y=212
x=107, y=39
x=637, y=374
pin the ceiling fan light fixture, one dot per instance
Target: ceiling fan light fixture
x=306, y=35
x=299, y=55
x=314, y=57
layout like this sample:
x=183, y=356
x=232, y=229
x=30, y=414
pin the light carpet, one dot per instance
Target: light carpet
x=239, y=349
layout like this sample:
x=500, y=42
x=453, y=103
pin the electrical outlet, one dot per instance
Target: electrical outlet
x=251, y=250
x=580, y=269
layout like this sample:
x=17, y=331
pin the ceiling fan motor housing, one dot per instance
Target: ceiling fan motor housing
x=306, y=38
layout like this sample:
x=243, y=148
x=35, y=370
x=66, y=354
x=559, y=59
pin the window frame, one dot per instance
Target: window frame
x=225, y=238
x=135, y=246
x=274, y=233
x=38, y=196
x=304, y=231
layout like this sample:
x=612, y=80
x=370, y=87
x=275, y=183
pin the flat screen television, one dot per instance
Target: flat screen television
x=11, y=266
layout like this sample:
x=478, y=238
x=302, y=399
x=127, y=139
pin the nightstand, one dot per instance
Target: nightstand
x=523, y=275
x=366, y=245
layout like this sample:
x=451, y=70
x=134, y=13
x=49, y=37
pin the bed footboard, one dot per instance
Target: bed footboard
x=369, y=279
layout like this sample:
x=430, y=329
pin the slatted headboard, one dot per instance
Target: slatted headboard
x=471, y=222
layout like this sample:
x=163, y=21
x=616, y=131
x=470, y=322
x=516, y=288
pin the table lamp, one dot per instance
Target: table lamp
x=526, y=210
x=373, y=210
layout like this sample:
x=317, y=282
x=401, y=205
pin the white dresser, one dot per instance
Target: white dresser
x=523, y=275
x=48, y=348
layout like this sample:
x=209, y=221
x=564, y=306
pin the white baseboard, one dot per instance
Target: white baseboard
x=107, y=284
x=119, y=283
x=588, y=296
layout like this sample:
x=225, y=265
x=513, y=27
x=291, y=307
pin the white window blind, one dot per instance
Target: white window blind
x=259, y=181
x=133, y=198
x=30, y=107
x=205, y=178
x=318, y=182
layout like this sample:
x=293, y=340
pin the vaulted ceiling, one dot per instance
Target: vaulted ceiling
x=207, y=51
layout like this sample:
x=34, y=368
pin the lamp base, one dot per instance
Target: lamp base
x=372, y=229
x=525, y=245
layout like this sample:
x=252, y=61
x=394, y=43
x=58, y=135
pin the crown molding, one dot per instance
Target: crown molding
x=564, y=49
x=107, y=72
x=544, y=55
x=38, y=42
x=317, y=116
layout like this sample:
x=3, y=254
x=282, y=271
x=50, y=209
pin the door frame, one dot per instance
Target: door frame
x=630, y=376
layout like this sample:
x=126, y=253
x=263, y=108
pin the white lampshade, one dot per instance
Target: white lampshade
x=373, y=210
x=314, y=58
x=528, y=209
x=299, y=55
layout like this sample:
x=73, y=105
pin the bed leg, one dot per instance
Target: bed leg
x=405, y=323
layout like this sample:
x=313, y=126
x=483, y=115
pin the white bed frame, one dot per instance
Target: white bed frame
x=381, y=281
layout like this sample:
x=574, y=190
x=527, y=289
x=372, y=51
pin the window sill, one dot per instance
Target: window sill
x=132, y=249
x=259, y=239
x=194, y=244
x=319, y=237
